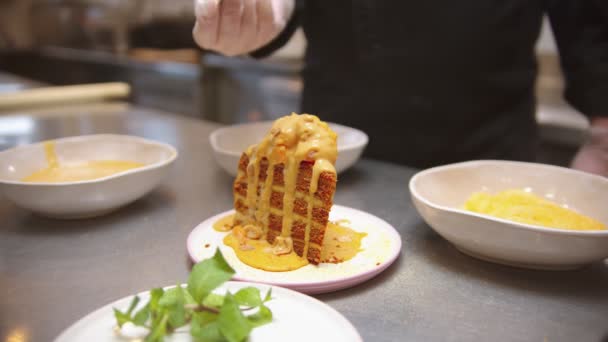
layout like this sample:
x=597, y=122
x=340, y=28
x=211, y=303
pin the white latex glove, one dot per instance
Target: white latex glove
x=234, y=27
x=593, y=155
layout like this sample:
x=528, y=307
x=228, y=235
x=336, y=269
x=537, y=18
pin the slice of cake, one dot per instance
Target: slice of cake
x=286, y=183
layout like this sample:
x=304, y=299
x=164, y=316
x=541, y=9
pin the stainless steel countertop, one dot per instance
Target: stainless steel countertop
x=54, y=272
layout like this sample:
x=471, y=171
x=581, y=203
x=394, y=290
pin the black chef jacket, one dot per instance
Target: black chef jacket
x=439, y=81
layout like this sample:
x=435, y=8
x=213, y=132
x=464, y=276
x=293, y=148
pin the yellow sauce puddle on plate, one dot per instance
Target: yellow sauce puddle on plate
x=524, y=207
x=339, y=244
x=73, y=172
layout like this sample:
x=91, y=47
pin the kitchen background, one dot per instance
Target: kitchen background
x=148, y=44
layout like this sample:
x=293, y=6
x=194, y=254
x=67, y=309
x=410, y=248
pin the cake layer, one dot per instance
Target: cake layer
x=310, y=212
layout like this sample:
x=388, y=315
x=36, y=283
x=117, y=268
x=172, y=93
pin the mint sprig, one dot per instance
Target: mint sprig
x=210, y=316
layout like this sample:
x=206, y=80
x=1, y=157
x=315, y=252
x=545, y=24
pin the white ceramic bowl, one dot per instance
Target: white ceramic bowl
x=439, y=193
x=229, y=142
x=84, y=198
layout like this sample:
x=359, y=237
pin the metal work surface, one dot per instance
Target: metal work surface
x=54, y=272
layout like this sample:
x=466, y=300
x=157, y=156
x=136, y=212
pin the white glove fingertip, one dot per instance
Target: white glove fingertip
x=206, y=8
x=280, y=24
x=199, y=37
x=281, y=11
x=205, y=33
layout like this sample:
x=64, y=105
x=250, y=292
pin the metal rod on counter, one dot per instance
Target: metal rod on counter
x=62, y=95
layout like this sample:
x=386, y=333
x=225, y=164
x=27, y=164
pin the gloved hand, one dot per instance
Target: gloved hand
x=234, y=27
x=593, y=155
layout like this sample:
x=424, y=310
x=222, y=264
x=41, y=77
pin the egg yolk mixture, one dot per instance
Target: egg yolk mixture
x=339, y=244
x=525, y=207
x=73, y=172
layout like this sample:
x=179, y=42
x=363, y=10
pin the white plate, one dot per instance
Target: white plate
x=293, y=312
x=229, y=142
x=381, y=247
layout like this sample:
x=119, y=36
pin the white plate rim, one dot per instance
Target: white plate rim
x=345, y=323
x=137, y=139
x=513, y=224
x=318, y=286
x=213, y=137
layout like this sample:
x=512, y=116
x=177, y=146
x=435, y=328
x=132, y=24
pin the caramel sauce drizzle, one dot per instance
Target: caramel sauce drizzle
x=291, y=140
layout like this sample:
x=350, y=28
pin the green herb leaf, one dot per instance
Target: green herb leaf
x=263, y=316
x=204, y=317
x=173, y=301
x=124, y=317
x=155, y=296
x=232, y=323
x=208, y=333
x=133, y=304
x=207, y=275
x=159, y=329
x=170, y=297
x=268, y=295
x=214, y=300
x=218, y=318
x=121, y=318
x=141, y=317
x=204, y=327
x=248, y=296
x=188, y=298
x=153, y=306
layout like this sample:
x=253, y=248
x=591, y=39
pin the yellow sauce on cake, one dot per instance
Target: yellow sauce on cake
x=73, y=172
x=258, y=254
x=224, y=224
x=525, y=207
x=340, y=244
x=291, y=140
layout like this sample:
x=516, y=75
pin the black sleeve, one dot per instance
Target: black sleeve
x=581, y=31
x=284, y=36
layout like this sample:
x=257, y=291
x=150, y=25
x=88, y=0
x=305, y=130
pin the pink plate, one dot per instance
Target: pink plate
x=381, y=247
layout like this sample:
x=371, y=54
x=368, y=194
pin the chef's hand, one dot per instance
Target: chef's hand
x=234, y=27
x=593, y=155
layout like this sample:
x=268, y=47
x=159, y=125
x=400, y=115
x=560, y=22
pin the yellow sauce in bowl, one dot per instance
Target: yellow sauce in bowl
x=73, y=172
x=340, y=244
x=525, y=207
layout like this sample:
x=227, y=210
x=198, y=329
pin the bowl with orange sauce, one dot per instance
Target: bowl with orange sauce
x=520, y=214
x=83, y=176
x=229, y=142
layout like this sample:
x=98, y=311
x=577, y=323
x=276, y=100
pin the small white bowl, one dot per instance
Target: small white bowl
x=439, y=193
x=229, y=142
x=84, y=198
